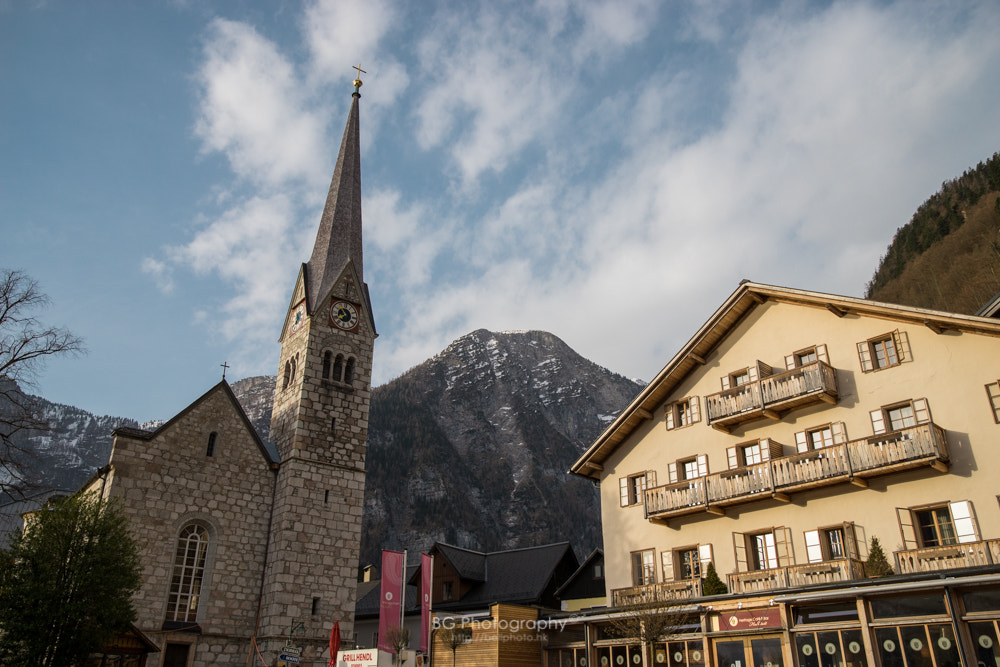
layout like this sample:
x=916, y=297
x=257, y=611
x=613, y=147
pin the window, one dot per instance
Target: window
x=806, y=356
x=993, y=394
x=763, y=549
x=447, y=591
x=212, y=437
x=188, y=574
x=315, y=606
x=900, y=415
x=752, y=453
x=683, y=413
x=288, y=374
x=831, y=543
x=327, y=364
x=938, y=525
x=685, y=469
x=739, y=378
x=643, y=567
x=338, y=369
x=820, y=437
x=633, y=487
x=686, y=563
x=882, y=351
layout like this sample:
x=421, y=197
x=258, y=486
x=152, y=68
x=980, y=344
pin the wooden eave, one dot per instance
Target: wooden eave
x=747, y=297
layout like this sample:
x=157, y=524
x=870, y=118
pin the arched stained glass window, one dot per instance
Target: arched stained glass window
x=189, y=571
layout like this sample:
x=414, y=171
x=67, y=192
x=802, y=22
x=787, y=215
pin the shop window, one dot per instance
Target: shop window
x=804, y=357
x=683, y=413
x=633, y=487
x=898, y=416
x=925, y=645
x=986, y=641
x=831, y=543
x=686, y=563
x=763, y=550
x=993, y=394
x=843, y=648
x=689, y=468
x=831, y=612
x=679, y=654
x=643, y=567
x=880, y=352
x=938, y=525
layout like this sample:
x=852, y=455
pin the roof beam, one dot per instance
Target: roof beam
x=835, y=310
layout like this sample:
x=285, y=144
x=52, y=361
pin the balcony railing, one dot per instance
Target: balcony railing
x=665, y=592
x=929, y=559
x=769, y=396
x=853, y=461
x=844, y=569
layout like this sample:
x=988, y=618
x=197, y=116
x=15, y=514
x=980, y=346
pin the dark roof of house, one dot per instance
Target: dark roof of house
x=595, y=555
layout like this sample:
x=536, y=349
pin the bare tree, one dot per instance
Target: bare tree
x=650, y=622
x=25, y=345
x=453, y=637
x=399, y=639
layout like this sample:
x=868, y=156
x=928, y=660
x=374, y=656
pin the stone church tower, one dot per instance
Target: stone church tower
x=320, y=424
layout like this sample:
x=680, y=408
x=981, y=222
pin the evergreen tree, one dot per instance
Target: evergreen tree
x=66, y=583
x=877, y=565
x=711, y=584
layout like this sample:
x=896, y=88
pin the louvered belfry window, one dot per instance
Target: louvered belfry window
x=189, y=571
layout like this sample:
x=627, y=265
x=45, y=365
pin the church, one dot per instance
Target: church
x=249, y=547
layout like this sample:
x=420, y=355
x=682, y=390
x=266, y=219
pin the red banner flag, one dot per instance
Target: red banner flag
x=390, y=608
x=426, y=570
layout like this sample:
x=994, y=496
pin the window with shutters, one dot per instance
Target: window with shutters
x=900, y=415
x=938, y=525
x=881, y=352
x=685, y=563
x=753, y=452
x=683, y=413
x=819, y=437
x=993, y=394
x=633, y=487
x=739, y=378
x=688, y=468
x=643, y=567
x=763, y=550
x=831, y=543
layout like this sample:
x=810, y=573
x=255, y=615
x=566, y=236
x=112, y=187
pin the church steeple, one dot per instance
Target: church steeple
x=339, y=237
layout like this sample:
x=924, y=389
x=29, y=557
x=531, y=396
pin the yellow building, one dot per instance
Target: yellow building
x=792, y=429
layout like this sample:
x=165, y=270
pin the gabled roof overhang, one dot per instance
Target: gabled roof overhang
x=723, y=321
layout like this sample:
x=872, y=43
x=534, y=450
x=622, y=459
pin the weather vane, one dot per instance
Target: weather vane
x=224, y=365
x=357, y=81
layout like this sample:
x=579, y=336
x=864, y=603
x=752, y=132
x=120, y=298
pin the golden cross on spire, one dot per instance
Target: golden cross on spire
x=357, y=81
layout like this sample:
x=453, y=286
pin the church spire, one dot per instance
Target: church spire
x=339, y=237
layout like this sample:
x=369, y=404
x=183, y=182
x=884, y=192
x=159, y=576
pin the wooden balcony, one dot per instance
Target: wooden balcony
x=930, y=559
x=665, y=592
x=845, y=569
x=853, y=462
x=770, y=396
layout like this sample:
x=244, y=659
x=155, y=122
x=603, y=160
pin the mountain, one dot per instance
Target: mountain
x=470, y=447
x=948, y=256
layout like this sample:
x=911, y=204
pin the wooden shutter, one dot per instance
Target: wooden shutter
x=850, y=541
x=672, y=473
x=623, y=487
x=725, y=382
x=921, y=411
x=702, y=465
x=704, y=557
x=821, y=354
x=752, y=373
x=764, y=446
x=734, y=458
x=906, y=531
x=902, y=342
x=964, y=518
x=839, y=433
x=695, y=409
x=769, y=449
x=667, y=564
x=789, y=362
x=650, y=479
x=878, y=422
x=783, y=546
x=865, y=355
x=740, y=551
x=801, y=442
x=764, y=370
x=670, y=415
x=814, y=550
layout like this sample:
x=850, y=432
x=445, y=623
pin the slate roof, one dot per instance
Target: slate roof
x=596, y=554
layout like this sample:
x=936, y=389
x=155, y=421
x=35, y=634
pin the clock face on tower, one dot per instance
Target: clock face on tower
x=298, y=318
x=344, y=315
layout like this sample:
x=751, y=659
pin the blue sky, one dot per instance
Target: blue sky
x=604, y=170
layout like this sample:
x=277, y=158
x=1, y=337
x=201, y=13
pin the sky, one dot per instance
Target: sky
x=605, y=170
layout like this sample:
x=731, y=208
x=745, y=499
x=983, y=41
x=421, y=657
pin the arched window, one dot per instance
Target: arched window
x=188, y=574
x=327, y=362
x=338, y=368
x=212, y=437
x=349, y=373
x=288, y=374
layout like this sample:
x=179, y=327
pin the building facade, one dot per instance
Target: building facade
x=790, y=431
x=248, y=547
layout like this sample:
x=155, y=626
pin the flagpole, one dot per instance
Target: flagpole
x=430, y=608
x=402, y=597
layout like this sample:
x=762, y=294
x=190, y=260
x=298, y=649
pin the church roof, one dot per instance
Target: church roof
x=338, y=240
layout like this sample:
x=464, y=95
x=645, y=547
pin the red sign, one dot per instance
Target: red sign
x=750, y=619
